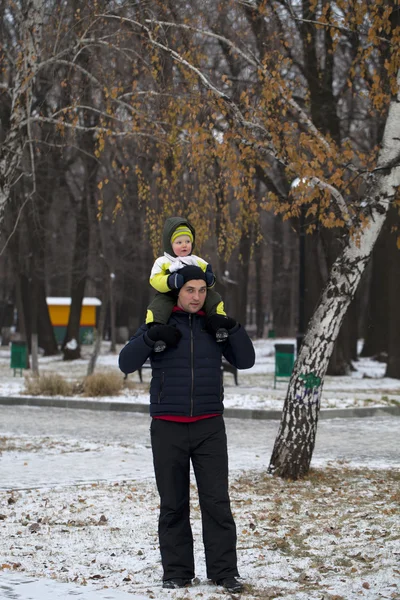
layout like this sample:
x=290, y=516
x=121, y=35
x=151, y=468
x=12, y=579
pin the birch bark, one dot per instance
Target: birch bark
x=295, y=441
x=30, y=25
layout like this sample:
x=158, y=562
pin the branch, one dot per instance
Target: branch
x=124, y=51
x=15, y=224
x=31, y=150
x=302, y=115
x=74, y=108
x=206, y=82
x=91, y=77
x=62, y=147
x=340, y=28
x=220, y=38
x=95, y=129
x=323, y=185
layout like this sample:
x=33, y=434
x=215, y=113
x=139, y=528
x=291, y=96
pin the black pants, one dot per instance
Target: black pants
x=204, y=443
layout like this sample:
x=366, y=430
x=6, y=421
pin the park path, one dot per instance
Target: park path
x=45, y=447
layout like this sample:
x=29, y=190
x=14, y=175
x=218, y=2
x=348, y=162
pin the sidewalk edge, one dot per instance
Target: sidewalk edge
x=235, y=413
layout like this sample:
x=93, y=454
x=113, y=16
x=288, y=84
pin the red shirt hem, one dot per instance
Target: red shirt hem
x=185, y=419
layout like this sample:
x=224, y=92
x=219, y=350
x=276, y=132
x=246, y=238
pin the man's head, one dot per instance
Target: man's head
x=192, y=294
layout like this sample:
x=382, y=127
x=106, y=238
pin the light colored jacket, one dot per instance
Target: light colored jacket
x=167, y=264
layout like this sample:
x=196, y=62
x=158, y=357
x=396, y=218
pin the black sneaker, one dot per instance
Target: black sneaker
x=231, y=584
x=172, y=584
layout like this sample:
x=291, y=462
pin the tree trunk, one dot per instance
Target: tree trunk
x=376, y=321
x=26, y=312
x=282, y=272
x=243, y=275
x=260, y=308
x=47, y=338
x=345, y=348
x=113, y=346
x=393, y=364
x=34, y=327
x=393, y=313
x=295, y=441
x=71, y=346
x=98, y=335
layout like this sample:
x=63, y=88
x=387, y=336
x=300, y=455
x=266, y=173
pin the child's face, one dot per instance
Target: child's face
x=182, y=246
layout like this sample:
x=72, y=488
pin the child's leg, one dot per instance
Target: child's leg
x=216, y=316
x=160, y=308
x=213, y=304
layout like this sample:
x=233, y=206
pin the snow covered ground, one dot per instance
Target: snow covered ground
x=366, y=386
x=78, y=503
x=334, y=535
x=78, y=510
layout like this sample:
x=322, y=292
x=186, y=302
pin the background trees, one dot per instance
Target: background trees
x=114, y=115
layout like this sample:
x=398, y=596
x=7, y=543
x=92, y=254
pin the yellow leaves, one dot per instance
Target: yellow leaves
x=398, y=242
x=100, y=146
x=253, y=206
x=270, y=202
x=101, y=183
x=118, y=208
x=100, y=209
x=312, y=210
x=114, y=92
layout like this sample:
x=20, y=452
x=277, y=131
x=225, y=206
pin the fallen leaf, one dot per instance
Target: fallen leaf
x=366, y=585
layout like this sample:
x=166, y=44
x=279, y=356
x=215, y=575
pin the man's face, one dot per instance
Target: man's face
x=192, y=295
x=182, y=246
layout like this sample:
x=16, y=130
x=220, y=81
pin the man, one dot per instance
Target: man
x=186, y=406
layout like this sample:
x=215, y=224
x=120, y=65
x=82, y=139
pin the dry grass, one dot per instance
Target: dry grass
x=50, y=384
x=107, y=383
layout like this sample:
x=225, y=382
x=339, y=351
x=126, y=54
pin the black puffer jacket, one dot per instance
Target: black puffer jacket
x=187, y=380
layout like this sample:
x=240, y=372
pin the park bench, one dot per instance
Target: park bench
x=225, y=367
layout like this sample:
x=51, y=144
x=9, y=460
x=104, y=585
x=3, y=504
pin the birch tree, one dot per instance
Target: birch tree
x=24, y=27
x=295, y=441
x=341, y=186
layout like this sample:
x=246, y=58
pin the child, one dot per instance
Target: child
x=178, y=243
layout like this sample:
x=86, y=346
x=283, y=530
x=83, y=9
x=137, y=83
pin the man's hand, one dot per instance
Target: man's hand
x=219, y=325
x=175, y=281
x=168, y=334
x=210, y=277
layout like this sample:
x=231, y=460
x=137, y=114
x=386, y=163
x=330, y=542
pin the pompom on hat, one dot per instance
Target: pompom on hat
x=182, y=230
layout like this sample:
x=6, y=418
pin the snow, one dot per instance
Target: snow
x=79, y=506
x=365, y=386
x=65, y=301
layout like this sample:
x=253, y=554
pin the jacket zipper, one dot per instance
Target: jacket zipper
x=191, y=364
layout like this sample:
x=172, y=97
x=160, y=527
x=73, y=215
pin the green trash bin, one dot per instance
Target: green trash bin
x=284, y=362
x=19, y=356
